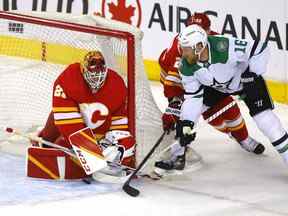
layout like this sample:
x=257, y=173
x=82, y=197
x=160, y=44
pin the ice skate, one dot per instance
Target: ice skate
x=252, y=145
x=174, y=161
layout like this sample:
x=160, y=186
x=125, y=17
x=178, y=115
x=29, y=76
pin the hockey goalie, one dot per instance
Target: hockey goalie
x=89, y=116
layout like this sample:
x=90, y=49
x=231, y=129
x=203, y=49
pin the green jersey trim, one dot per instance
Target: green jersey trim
x=219, y=49
x=188, y=69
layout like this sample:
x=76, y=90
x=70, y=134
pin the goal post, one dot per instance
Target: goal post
x=36, y=47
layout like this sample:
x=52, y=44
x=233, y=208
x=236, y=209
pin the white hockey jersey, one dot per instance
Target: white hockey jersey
x=228, y=59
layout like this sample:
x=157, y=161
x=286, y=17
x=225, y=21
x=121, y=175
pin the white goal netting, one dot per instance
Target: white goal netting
x=34, y=51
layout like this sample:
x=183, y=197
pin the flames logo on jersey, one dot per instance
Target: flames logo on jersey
x=128, y=11
x=94, y=114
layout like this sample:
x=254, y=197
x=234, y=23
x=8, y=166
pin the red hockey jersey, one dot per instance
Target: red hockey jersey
x=76, y=107
x=169, y=77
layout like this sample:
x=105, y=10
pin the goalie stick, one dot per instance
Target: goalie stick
x=135, y=192
x=40, y=140
x=68, y=151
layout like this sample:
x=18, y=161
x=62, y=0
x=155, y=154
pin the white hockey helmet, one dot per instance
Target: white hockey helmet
x=94, y=69
x=193, y=35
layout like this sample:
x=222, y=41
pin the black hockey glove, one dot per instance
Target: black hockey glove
x=255, y=93
x=250, y=84
x=184, y=130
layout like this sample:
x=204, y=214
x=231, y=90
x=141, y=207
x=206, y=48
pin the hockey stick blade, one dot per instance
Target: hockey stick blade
x=126, y=187
x=130, y=190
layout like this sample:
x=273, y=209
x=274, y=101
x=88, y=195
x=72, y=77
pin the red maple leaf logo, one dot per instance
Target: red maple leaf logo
x=120, y=12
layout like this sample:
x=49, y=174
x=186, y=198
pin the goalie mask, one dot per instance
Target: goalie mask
x=94, y=70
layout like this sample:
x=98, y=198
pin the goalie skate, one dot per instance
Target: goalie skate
x=114, y=174
x=173, y=163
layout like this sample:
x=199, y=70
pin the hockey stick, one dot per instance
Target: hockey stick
x=40, y=140
x=135, y=192
x=127, y=187
x=70, y=152
x=102, y=178
x=211, y=118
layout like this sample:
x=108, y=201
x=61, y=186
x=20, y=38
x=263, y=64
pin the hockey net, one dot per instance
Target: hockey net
x=35, y=48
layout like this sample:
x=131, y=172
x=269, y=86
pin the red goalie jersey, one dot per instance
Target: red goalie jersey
x=75, y=106
x=89, y=103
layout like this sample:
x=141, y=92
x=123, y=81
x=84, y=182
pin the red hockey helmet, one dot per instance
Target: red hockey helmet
x=200, y=19
x=94, y=69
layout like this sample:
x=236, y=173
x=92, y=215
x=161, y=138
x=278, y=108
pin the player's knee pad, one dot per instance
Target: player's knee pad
x=50, y=163
x=256, y=96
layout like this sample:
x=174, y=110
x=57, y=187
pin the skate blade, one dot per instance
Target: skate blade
x=161, y=173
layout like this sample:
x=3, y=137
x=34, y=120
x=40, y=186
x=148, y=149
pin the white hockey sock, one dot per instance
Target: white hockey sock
x=281, y=146
x=270, y=125
x=176, y=150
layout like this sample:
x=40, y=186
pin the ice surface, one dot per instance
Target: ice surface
x=231, y=182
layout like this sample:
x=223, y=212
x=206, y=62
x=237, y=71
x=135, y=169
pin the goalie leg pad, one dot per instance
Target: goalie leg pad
x=128, y=145
x=50, y=163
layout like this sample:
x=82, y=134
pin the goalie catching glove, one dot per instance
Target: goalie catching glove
x=116, y=147
x=119, y=146
x=171, y=114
